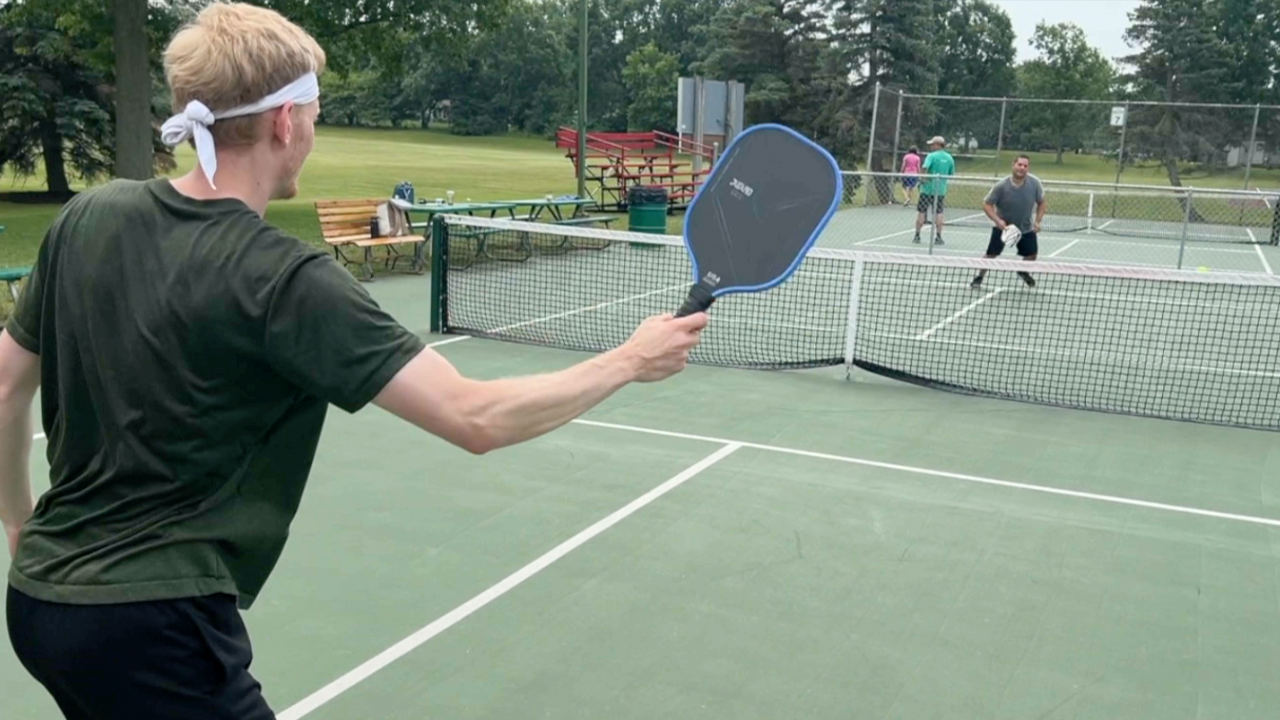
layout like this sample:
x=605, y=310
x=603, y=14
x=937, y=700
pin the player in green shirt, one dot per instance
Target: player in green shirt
x=187, y=353
x=937, y=162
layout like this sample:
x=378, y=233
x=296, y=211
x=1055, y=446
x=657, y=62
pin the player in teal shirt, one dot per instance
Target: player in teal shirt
x=937, y=162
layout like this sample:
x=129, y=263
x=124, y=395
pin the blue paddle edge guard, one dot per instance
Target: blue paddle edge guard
x=699, y=298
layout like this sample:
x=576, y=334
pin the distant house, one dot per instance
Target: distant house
x=1238, y=156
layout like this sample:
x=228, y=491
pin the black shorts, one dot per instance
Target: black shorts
x=1027, y=244
x=925, y=205
x=168, y=659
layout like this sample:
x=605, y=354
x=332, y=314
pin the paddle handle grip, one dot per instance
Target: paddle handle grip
x=698, y=301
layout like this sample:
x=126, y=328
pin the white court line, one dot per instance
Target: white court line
x=1258, y=248
x=1064, y=248
x=453, y=617
x=958, y=314
x=1113, y=499
x=885, y=237
x=966, y=218
x=390, y=655
x=438, y=343
x=38, y=436
x=1103, y=225
x=912, y=230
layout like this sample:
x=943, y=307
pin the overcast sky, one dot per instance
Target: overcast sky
x=1103, y=21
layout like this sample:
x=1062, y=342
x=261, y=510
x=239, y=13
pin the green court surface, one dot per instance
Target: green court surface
x=966, y=233
x=751, y=544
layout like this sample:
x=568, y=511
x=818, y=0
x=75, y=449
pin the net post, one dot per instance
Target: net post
x=1186, y=223
x=851, y=326
x=1253, y=138
x=1004, y=104
x=439, y=265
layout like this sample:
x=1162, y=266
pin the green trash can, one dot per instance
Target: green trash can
x=647, y=210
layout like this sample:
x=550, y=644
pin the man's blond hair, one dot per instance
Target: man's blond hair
x=233, y=54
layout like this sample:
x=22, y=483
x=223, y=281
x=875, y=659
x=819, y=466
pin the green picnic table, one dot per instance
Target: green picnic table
x=556, y=205
x=13, y=276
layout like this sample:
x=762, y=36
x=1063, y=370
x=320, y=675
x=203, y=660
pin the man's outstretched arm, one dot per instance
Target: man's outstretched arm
x=480, y=416
x=19, y=380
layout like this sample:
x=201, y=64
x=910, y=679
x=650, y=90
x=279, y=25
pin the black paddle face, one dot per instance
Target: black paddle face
x=760, y=210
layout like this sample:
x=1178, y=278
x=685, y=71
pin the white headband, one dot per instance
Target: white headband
x=197, y=117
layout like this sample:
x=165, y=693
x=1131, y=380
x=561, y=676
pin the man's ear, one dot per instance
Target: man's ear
x=282, y=123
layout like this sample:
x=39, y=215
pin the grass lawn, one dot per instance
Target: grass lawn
x=368, y=162
x=357, y=162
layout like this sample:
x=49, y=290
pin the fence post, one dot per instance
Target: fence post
x=871, y=139
x=1004, y=104
x=897, y=135
x=1253, y=138
x=1186, y=223
x=1124, y=127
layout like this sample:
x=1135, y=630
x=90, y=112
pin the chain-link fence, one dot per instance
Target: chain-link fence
x=1081, y=139
x=1102, y=223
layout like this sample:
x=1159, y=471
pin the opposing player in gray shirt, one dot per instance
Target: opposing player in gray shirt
x=1012, y=201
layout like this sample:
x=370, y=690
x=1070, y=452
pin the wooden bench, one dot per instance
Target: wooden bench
x=345, y=224
x=13, y=277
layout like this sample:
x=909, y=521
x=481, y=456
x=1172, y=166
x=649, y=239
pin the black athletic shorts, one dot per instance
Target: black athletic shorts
x=1027, y=244
x=925, y=204
x=172, y=659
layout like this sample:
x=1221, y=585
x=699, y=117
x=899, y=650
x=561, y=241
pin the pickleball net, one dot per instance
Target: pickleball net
x=1170, y=344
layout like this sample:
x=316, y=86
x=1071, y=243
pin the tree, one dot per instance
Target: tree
x=977, y=60
x=678, y=27
x=775, y=49
x=54, y=104
x=1068, y=68
x=364, y=29
x=890, y=42
x=1184, y=59
x=1251, y=31
x=980, y=55
x=133, y=126
x=651, y=76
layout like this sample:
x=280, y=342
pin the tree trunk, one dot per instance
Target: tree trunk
x=55, y=167
x=1059, y=160
x=1171, y=166
x=1175, y=179
x=133, y=91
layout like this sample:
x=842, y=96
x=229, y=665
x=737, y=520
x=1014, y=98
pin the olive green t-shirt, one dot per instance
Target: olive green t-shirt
x=188, y=354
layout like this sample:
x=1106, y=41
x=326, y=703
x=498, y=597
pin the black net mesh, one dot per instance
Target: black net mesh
x=1180, y=345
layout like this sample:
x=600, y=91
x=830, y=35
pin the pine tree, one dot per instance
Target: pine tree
x=1184, y=59
x=890, y=42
